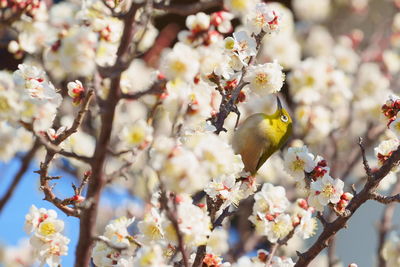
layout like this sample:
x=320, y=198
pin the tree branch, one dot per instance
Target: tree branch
x=51, y=150
x=228, y=103
x=98, y=180
x=364, y=158
x=332, y=228
x=58, y=150
x=278, y=244
x=78, y=119
x=212, y=208
x=172, y=216
x=225, y=213
x=156, y=88
x=385, y=199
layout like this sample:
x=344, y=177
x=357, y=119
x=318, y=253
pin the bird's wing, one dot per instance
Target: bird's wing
x=265, y=155
x=249, y=144
x=251, y=154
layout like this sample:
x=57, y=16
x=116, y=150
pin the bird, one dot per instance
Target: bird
x=261, y=135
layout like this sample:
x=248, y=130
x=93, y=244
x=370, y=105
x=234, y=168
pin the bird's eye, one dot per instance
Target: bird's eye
x=284, y=118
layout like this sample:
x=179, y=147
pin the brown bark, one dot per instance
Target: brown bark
x=360, y=198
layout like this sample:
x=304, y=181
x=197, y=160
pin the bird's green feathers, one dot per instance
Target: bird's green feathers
x=260, y=135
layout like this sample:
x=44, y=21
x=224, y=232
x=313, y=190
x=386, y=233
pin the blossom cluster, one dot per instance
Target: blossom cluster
x=312, y=174
x=116, y=247
x=16, y=8
x=221, y=61
x=46, y=235
x=156, y=240
x=275, y=217
x=391, y=143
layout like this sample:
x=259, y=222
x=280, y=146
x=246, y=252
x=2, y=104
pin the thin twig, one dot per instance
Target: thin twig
x=278, y=244
x=172, y=215
x=385, y=199
x=271, y=253
x=156, y=88
x=58, y=150
x=50, y=153
x=225, y=213
x=365, y=162
x=78, y=119
x=228, y=106
x=212, y=208
x=119, y=172
x=78, y=190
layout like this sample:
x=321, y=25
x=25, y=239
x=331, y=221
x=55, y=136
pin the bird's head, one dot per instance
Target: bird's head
x=283, y=119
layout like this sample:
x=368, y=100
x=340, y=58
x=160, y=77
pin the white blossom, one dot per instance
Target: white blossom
x=324, y=191
x=116, y=232
x=307, y=227
x=271, y=199
x=49, y=252
x=194, y=223
x=225, y=188
x=150, y=227
x=241, y=44
x=182, y=62
x=298, y=161
x=263, y=18
x=198, y=22
x=150, y=256
x=385, y=149
x=32, y=79
x=274, y=228
x=265, y=79
x=137, y=134
x=47, y=240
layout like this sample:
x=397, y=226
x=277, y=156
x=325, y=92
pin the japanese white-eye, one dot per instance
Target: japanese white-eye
x=260, y=135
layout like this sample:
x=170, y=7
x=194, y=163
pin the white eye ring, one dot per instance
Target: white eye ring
x=284, y=118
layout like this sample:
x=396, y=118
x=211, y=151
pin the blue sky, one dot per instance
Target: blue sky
x=27, y=193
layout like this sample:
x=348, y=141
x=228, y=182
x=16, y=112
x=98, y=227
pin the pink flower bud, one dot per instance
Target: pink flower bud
x=346, y=196
x=78, y=198
x=302, y=203
x=76, y=91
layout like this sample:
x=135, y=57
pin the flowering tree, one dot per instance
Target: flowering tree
x=106, y=93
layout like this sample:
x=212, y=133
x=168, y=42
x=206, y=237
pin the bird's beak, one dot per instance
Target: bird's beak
x=279, y=104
